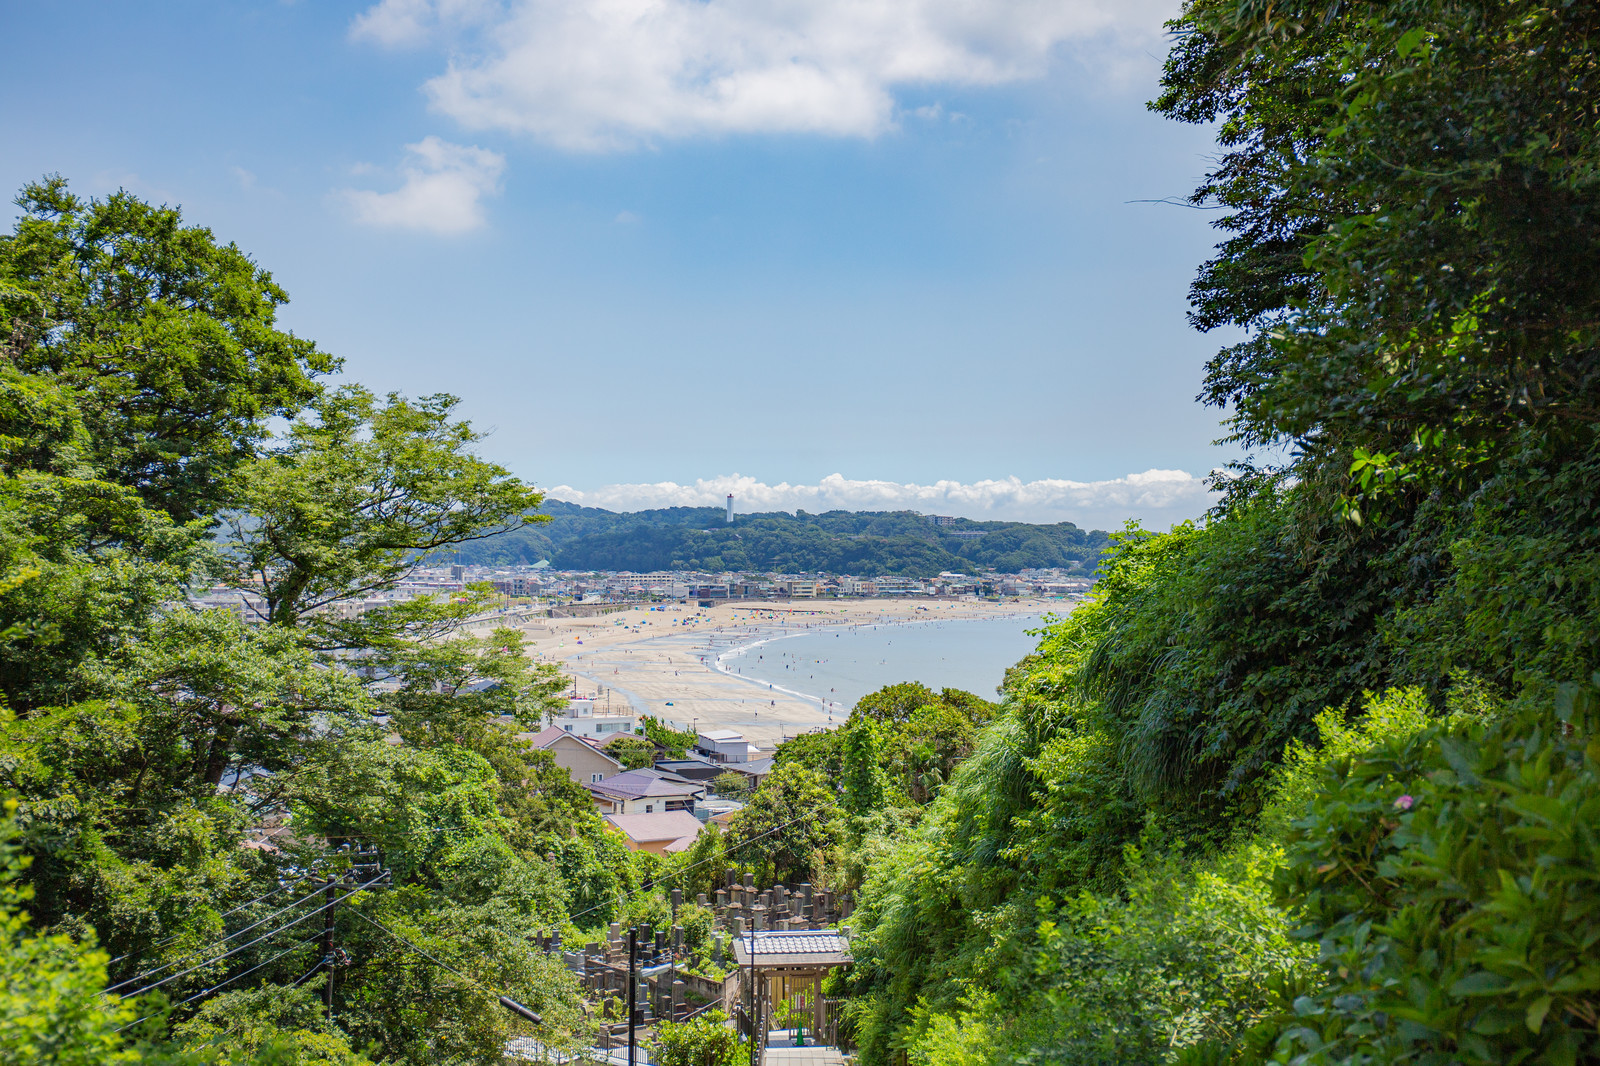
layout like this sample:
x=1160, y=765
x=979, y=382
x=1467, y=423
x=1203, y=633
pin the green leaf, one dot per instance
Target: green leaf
x=1536, y=1013
x=1481, y=983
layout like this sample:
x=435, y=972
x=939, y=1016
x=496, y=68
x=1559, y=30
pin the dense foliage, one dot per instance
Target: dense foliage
x=866, y=543
x=1193, y=834
x=184, y=781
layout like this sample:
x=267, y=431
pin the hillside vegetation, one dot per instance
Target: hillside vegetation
x=1315, y=781
x=864, y=543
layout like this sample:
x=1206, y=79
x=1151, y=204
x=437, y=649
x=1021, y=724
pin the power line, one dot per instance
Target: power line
x=224, y=914
x=702, y=862
x=421, y=952
x=209, y=947
x=257, y=940
x=219, y=984
x=505, y=1001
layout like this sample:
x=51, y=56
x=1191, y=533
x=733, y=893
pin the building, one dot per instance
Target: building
x=718, y=809
x=645, y=792
x=660, y=833
x=584, y=718
x=753, y=770
x=691, y=768
x=581, y=758
x=518, y=586
x=801, y=589
x=788, y=967
x=730, y=507
x=725, y=746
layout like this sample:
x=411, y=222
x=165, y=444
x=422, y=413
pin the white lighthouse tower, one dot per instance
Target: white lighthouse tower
x=730, y=507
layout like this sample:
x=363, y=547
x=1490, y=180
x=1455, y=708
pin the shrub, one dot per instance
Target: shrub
x=704, y=1041
x=1451, y=877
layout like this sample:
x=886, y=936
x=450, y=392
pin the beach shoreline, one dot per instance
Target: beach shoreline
x=666, y=660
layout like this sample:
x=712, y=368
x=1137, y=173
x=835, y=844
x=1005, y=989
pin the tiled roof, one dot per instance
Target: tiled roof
x=823, y=948
x=824, y=941
x=545, y=737
x=663, y=825
x=638, y=784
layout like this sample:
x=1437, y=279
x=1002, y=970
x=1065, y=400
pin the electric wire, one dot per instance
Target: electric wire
x=702, y=862
x=209, y=947
x=403, y=940
x=224, y=981
x=257, y=940
x=224, y=914
x=424, y=954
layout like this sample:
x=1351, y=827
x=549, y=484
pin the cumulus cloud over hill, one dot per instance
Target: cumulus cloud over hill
x=604, y=74
x=1156, y=497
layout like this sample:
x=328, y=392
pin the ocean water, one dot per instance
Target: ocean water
x=839, y=666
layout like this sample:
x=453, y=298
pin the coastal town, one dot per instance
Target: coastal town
x=539, y=590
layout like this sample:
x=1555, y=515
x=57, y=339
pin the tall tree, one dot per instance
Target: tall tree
x=167, y=340
x=357, y=496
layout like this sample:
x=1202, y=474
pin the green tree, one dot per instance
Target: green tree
x=635, y=753
x=863, y=781
x=358, y=493
x=787, y=829
x=818, y=750
x=50, y=1007
x=676, y=743
x=166, y=340
x=281, y=1024
x=704, y=865
x=730, y=784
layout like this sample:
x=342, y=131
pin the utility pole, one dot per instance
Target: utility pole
x=633, y=991
x=751, y=1014
x=327, y=942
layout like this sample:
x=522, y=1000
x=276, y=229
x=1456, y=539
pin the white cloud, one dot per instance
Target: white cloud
x=402, y=23
x=1156, y=497
x=442, y=191
x=601, y=74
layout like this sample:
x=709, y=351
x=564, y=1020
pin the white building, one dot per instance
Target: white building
x=725, y=746
x=583, y=718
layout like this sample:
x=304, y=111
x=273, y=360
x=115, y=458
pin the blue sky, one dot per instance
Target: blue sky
x=655, y=244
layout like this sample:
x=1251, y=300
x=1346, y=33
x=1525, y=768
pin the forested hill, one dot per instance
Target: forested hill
x=844, y=542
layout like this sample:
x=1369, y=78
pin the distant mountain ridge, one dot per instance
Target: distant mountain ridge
x=866, y=543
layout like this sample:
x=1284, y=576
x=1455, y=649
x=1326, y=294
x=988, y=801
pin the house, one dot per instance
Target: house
x=695, y=769
x=660, y=833
x=645, y=792
x=754, y=771
x=581, y=758
x=725, y=746
x=718, y=809
x=586, y=719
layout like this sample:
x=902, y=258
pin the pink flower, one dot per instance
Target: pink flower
x=1404, y=803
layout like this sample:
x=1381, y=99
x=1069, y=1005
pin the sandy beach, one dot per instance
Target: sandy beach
x=662, y=661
